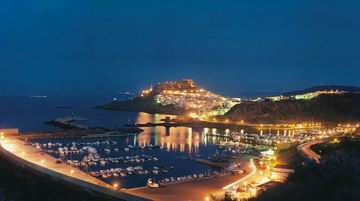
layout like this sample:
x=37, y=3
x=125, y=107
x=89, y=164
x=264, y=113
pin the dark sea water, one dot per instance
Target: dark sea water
x=28, y=113
x=178, y=144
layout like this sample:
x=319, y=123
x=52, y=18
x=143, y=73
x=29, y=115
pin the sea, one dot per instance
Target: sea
x=178, y=145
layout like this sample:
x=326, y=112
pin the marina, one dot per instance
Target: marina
x=153, y=161
x=132, y=160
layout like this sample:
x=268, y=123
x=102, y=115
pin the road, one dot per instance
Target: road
x=305, y=150
x=240, y=181
x=195, y=190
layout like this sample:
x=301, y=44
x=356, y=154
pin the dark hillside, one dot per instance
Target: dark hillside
x=325, y=108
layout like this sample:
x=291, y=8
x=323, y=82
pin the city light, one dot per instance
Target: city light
x=193, y=115
x=186, y=95
x=336, y=141
x=42, y=161
x=305, y=96
x=116, y=185
x=72, y=172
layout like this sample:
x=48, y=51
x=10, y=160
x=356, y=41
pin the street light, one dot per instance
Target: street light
x=42, y=161
x=72, y=172
x=207, y=198
x=116, y=185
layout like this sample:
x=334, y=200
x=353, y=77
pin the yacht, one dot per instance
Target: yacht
x=151, y=183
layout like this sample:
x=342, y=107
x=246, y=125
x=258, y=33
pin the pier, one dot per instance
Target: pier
x=88, y=133
x=67, y=122
x=191, y=124
x=226, y=124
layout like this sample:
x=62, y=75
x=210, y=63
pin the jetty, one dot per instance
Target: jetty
x=75, y=133
x=67, y=122
x=191, y=124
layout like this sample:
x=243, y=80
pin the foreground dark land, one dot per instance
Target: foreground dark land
x=18, y=184
x=337, y=178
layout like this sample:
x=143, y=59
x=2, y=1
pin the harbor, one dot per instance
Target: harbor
x=28, y=157
x=152, y=160
x=155, y=162
x=131, y=161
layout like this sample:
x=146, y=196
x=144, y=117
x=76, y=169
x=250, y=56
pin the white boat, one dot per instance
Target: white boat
x=151, y=183
x=122, y=174
x=102, y=163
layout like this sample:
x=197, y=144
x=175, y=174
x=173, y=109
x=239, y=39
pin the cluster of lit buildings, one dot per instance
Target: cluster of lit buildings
x=186, y=95
x=305, y=96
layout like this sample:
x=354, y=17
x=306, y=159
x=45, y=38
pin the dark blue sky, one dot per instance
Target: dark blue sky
x=232, y=46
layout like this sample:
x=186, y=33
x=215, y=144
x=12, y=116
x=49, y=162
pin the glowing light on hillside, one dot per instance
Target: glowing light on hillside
x=193, y=115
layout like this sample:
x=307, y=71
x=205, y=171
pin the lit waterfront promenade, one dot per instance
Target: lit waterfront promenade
x=240, y=181
x=15, y=149
x=196, y=190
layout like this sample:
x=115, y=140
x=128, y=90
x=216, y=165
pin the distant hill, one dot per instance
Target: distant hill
x=324, y=88
x=325, y=108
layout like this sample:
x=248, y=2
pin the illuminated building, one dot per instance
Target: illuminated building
x=305, y=96
x=185, y=94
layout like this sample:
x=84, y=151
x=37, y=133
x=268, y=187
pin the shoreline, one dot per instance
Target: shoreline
x=44, y=164
x=27, y=157
x=193, y=190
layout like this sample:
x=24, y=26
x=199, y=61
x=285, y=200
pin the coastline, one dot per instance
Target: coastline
x=14, y=150
x=27, y=157
x=192, y=190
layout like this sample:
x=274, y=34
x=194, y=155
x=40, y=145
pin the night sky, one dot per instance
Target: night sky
x=230, y=47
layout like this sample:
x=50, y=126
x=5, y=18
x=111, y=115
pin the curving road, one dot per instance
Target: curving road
x=305, y=151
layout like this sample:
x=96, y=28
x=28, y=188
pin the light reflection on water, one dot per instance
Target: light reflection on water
x=179, y=139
